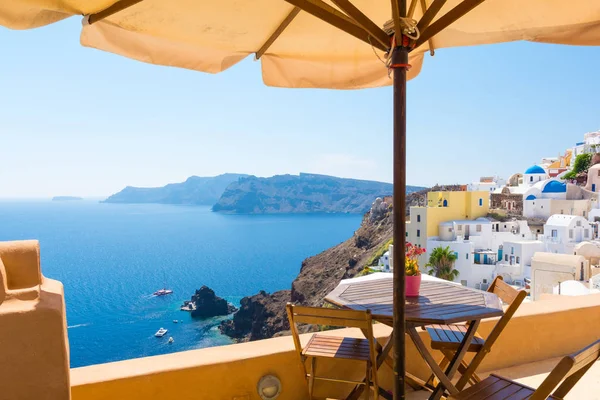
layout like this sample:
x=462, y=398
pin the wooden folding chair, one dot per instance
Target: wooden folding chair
x=447, y=338
x=325, y=346
x=568, y=371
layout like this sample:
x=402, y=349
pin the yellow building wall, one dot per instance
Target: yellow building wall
x=460, y=205
x=425, y=221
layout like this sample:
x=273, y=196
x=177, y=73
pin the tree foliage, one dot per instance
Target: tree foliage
x=441, y=263
x=581, y=164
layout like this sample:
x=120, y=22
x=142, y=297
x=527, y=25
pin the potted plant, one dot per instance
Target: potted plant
x=412, y=271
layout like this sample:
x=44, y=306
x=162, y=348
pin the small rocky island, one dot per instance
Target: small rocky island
x=66, y=198
x=207, y=304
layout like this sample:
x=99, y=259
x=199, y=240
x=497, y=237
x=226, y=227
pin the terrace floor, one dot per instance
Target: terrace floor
x=533, y=374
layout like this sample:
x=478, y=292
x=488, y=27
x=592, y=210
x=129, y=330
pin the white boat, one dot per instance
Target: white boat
x=161, y=332
x=164, y=291
x=175, y=321
x=171, y=340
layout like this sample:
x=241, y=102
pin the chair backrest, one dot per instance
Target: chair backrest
x=510, y=296
x=569, y=370
x=327, y=316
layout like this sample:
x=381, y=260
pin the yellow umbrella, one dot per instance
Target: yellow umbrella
x=336, y=44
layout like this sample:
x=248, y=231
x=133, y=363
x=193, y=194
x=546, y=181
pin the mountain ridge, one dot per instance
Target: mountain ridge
x=303, y=193
x=195, y=190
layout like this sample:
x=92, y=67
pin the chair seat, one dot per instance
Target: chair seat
x=496, y=388
x=449, y=337
x=337, y=347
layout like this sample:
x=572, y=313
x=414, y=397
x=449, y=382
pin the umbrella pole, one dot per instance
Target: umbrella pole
x=399, y=64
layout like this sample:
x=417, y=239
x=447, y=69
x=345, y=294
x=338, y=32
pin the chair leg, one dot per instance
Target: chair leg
x=475, y=378
x=432, y=379
x=368, y=381
x=375, y=382
x=311, y=378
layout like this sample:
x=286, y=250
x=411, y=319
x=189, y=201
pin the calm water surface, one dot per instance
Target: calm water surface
x=112, y=257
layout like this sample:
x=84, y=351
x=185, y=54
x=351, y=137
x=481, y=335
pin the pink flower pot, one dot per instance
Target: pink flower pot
x=413, y=284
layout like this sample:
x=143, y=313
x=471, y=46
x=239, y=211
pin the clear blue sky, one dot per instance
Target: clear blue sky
x=77, y=121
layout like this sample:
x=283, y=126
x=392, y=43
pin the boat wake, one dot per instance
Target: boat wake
x=78, y=325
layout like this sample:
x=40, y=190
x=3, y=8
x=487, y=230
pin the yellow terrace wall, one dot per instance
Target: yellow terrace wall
x=539, y=331
x=34, y=352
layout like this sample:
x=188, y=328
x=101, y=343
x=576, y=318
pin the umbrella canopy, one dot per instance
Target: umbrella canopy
x=297, y=49
x=336, y=44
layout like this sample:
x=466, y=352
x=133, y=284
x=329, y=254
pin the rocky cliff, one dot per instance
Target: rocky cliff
x=304, y=193
x=262, y=316
x=195, y=190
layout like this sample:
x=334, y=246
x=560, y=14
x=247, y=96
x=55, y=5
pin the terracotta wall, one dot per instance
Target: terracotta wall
x=539, y=331
x=34, y=354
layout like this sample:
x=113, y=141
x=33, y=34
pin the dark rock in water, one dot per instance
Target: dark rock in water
x=210, y=305
x=260, y=316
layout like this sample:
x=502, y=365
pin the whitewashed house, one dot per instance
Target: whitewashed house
x=514, y=264
x=551, y=196
x=487, y=184
x=548, y=270
x=563, y=232
x=477, y=245
x=384, y=262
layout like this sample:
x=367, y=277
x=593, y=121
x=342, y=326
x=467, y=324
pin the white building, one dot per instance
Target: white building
x=522, y=183
x=591, y=142
x=534, y=174
x=551, y=196
x=487, y=184
x=384, y=262
x=477, y=245
x=548, y=270
x=515, y=260
x=563, y=232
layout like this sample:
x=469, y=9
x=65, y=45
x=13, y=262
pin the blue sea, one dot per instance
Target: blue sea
x=112, y=257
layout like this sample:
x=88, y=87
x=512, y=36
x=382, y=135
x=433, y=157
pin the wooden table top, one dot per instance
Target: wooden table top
x=438, y=302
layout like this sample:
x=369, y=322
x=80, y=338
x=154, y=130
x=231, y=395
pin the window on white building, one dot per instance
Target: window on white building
x=463, y=282
x=584, y=213
x=531, y=179
x=512, y=250
x=518, y=259
x=478, y=228
x=418, y=233
x=554, y=233
x=586, y=233
x=562, y=211
x=459, y=227
x=570, y=233
x=467, y=254
x=578, y=223
x=450, y=230
x=506, y=257
x=418, y=218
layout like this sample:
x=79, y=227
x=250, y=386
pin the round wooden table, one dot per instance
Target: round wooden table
x=438, y=303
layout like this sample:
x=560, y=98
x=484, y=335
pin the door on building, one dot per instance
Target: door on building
x=593, y=187
x=467, y=231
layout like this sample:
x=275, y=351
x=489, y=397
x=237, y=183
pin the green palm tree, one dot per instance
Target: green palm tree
x=441, y=263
